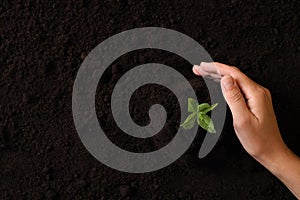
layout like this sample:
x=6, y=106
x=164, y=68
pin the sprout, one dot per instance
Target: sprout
x=199, y=113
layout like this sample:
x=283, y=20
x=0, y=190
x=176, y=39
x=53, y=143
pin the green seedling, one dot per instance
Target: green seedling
x=199, y=113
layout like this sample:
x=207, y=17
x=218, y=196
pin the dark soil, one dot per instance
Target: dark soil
x=43, y=44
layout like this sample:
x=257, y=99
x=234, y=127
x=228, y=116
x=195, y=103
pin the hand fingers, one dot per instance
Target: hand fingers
x=200, y=72
x=235, y=100
x=210, y=67
x=247, y=86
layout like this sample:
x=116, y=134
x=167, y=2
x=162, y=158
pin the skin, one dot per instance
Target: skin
x=255, y=122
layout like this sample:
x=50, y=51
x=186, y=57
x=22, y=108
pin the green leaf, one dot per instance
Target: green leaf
x=199, y=114
x=209, y=122
x=206, y=123
x=205, y=108
x=192, y=105
x=201, y=122
x=190, y=121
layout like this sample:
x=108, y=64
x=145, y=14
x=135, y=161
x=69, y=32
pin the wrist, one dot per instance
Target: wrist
x=276, y=161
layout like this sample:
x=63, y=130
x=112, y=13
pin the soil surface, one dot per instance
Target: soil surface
x=43, y=44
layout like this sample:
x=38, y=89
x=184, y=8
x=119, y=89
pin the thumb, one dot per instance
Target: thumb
x=234, y=98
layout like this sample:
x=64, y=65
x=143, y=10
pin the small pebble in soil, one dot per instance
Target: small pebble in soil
x=131, y=2
x=45, y=170
x=51, y=194
x=25, y=98
x=213, y=44
x=126, y=190
x=114, y=69
x=156, y=186
x=209, y=39
x=93, y=172
x=49, y=148
x=106, y=98
x=83, y=55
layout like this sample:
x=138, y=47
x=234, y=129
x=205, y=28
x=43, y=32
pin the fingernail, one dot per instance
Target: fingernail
x=196, y=69
x=197, y=66
x=208, y=67
x=200, y=70
x=204, y=63
x=227, y=82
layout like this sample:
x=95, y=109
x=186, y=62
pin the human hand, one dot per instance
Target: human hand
x=255, y=122
x=251, y=106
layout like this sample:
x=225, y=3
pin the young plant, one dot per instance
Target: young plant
x=199, y=113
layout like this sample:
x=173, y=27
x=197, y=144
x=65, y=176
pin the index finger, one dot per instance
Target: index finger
x=246, y=85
